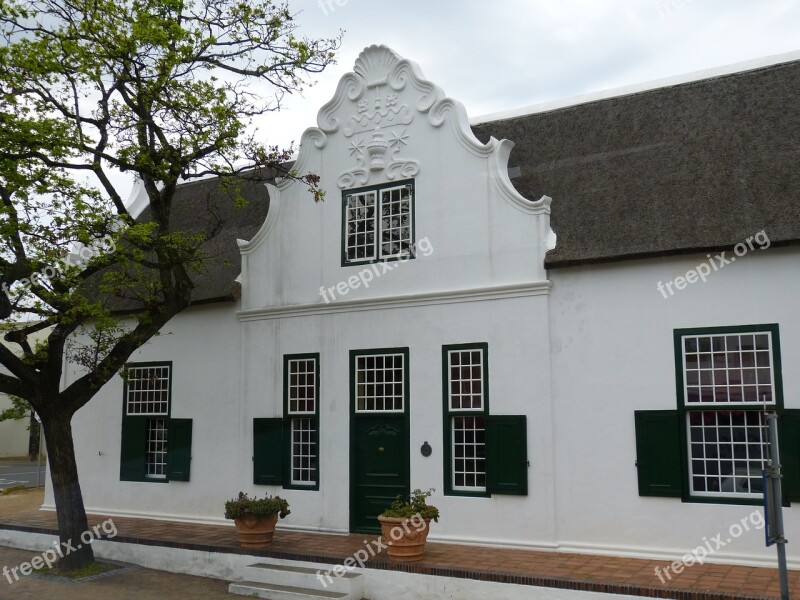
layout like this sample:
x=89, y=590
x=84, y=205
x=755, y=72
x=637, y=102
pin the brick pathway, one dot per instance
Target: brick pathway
x=527, y=567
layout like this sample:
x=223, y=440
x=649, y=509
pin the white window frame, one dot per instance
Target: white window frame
x=713, y=380
x=379, y=227
x=456, y=413
x=373, y=385
x=305, y=420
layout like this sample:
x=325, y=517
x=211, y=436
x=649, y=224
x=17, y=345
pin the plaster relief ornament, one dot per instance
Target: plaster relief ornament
x=377, y=124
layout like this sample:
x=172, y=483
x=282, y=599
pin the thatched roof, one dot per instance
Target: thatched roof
x=693, y=167
x=206, y=206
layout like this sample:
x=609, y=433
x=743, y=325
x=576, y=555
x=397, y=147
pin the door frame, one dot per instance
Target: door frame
x=405, y=415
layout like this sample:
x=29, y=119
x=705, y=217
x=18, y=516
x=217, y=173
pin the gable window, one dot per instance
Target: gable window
x=286, y=449
x=154, y=446
x=484, y=453
x=378, y=223
x=714, y=446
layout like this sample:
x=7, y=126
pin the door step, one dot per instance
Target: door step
x=285, y=582
x=273, y=591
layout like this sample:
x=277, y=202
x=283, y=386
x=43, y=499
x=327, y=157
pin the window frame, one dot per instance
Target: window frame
x=684, y=407
x=379, y=352
x=449, y=418
x=289, y=417
x=150, y=416
x=377, y=258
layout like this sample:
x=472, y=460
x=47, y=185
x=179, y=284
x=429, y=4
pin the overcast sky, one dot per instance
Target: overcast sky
x=507, y=54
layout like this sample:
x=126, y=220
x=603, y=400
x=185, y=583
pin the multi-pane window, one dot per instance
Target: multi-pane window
x=380, y=381
x=302, y=411
x=148, y=395
x=466, y=412
x=148, y=390
x=728, y=387
x=156, y=457
x=379, y=223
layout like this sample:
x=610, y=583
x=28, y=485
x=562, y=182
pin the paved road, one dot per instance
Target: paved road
x=13, y=474
x=128, y=584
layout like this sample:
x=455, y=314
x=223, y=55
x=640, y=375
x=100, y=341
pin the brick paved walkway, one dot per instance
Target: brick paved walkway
x=550, y=569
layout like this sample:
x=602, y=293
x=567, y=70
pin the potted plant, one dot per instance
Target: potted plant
x=405, y=525
x=255, y=518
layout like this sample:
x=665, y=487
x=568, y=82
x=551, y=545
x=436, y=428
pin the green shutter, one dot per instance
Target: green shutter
x=179, y=449
x=658, y=453
x=789, y=447
x=507, y=455
x=268, y=451
x=134, y=448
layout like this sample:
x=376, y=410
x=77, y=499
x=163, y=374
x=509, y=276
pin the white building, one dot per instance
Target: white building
x=424, y=327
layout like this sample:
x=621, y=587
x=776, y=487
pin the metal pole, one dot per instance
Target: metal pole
x=39, y=461
x=775, y=476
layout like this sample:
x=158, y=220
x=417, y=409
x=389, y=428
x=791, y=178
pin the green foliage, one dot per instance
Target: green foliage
x=19, y=409
x=260, y=508
x=165, y=91
x=415, y=505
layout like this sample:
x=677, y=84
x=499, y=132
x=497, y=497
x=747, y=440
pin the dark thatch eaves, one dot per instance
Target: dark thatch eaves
x=694, y=167
x=206, y=206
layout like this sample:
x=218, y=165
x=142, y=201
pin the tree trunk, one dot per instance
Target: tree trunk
x=72, y=521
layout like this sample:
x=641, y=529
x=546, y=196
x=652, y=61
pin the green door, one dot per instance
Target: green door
x=379, y=469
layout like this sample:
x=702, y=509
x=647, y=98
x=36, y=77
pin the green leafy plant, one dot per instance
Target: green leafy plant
x=416, y=504
x=260, y=508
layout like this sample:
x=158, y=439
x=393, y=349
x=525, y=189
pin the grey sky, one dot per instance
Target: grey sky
x=507, y=54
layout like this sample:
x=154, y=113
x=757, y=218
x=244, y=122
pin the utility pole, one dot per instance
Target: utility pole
x=774, y=503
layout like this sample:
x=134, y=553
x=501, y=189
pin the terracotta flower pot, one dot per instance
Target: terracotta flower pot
x=405, y=538
x=256, y=533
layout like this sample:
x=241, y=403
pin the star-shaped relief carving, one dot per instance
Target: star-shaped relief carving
x=356, y=147
x=398, y=139
x=391, y=99
x=362, y=106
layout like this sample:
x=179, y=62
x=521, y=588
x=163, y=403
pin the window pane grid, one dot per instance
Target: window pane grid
x=360, y=240
x=302, y=386
x=727, y=451
x=156, y=458
x=147, y=391
x=304, y=451
x=469, y=453
x=396, y=222
x=465, y=380
x=728, y=368
x=380, y=383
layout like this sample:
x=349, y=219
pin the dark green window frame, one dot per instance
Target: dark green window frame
x=505, y=442
x=291, y=417
x=135, y=431
x=272, y=437
x=378, y=231
x=662, y=436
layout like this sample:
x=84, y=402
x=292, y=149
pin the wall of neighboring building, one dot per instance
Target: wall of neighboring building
x=14, y=435
x=612, y=354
